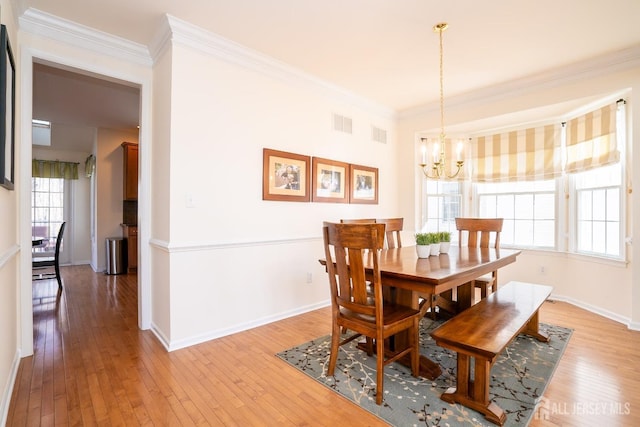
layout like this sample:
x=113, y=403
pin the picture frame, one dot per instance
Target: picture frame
x=330, y=182
x=364, y=184
x=7, y=111
x=285, y=176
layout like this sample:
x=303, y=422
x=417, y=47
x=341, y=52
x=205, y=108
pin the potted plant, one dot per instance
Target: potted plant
x=423, y=245
x=435, y=243
x=445, y=241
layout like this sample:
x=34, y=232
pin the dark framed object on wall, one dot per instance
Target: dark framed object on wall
x=7, y=112
x=285, y=176
x=364, y=184
x=330, y=181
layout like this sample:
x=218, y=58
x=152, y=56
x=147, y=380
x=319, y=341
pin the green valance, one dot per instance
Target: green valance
x=54, y=169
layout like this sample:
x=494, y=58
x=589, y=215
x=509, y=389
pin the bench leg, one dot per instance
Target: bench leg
x=531, y=328
x=474, y=393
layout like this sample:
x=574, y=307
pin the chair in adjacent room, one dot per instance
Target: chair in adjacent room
x=41, y=263
x=393, y=230
x=481, y=233
x=355, y=309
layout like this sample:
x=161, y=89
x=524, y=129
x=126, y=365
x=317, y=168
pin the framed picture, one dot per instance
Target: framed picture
x=364, y=184
x=7, y=111
x=285, y=176
x=330, y=181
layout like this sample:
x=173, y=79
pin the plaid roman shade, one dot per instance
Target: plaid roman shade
x=591, y=140
x=519, y=155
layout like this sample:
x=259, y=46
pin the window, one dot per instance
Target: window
x=528, y=209
x=598, y=205
x=443, y=205
x=47, y=211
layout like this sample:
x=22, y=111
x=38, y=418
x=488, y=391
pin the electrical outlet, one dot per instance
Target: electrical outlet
x=542, y=269
x=309, y=278
x=190, y=201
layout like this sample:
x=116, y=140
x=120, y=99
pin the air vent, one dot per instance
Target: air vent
x=378, y=135
x=342, y=124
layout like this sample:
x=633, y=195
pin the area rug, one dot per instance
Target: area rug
x=518, y=379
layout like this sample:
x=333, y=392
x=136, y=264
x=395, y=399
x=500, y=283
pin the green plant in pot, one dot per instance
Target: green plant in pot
x=423, y=244
x=435, y=243
x=445, y=241
x=423, y=239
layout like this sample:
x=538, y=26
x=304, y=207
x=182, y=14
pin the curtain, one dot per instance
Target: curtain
x=519, y=155
x=54, y=169
x=591, y=140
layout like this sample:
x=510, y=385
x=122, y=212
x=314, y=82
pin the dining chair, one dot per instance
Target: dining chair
x=361, y=221
x=481, y=233
x=393, y=230
x=355, y=309
x=45, y=262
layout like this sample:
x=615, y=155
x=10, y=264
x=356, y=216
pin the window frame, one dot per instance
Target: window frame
x=440, y=195
x=514, y=194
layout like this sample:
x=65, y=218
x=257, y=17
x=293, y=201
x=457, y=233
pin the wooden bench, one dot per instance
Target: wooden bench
x=482, y=332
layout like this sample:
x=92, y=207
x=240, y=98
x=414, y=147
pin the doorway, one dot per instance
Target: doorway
x=85, y=113
x=77, y=102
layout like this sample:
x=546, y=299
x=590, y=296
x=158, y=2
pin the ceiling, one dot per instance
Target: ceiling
x=382, y=50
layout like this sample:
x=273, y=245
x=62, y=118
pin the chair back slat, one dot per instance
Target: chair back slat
x=393, y=231
x=479, y=231
x=351, y=243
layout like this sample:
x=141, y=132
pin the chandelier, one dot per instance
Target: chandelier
x=437, y=169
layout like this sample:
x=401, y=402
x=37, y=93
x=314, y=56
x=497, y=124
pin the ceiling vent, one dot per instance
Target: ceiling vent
x=41, y=132
x=378, y=135
x=342, y=124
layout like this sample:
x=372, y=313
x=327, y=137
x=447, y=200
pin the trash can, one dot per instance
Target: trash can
x=116, y=256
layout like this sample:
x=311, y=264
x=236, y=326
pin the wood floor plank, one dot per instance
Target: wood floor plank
x=92, y=366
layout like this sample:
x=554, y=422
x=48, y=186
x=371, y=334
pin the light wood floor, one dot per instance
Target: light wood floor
x=92, y=366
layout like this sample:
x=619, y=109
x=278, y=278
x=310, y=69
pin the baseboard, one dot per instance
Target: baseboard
x=8, y=390
x=187, y=342
x=597, y=310
x=158, y=333
x=634, y=326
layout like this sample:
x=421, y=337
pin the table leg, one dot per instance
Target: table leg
x=428, y=368
x=465, y=296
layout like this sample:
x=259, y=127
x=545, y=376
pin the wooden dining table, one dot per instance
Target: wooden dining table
x=415, y=279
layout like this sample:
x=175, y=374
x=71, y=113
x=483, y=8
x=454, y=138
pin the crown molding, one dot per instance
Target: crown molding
x=52, y=27
x=618, y=61
x=176, y=31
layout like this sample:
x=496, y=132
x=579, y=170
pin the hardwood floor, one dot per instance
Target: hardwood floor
x=92, y=366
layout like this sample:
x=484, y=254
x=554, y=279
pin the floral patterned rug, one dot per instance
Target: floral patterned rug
x=518, y=379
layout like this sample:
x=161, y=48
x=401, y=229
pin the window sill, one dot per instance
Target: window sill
x=620, y=263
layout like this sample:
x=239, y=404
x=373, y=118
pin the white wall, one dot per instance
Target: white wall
x=237, y=261
x=10, y=327
x=161, y=200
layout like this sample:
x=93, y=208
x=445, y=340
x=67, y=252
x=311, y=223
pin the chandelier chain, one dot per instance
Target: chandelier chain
x=439, y=165
x=440, y=30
